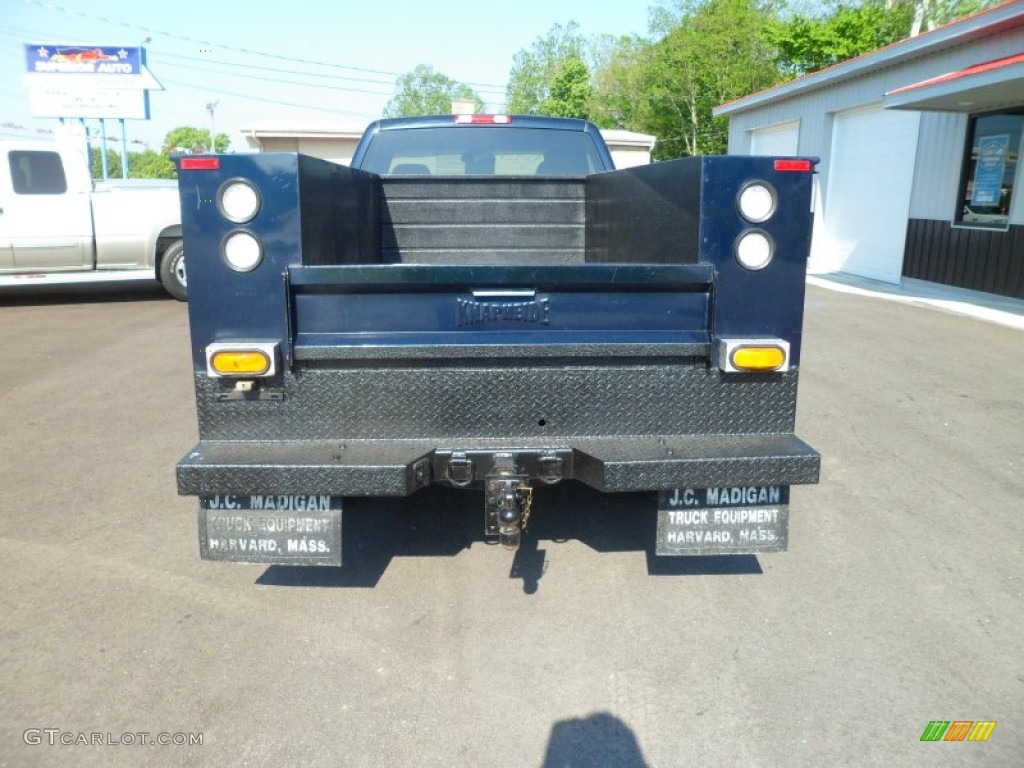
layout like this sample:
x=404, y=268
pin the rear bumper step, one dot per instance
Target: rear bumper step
x=400, y=467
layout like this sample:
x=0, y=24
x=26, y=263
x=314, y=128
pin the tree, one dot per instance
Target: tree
x=113, y=163
x=150, y=165
x=807, y=44
x=709, y=53
x=570, y=91
x=618, y=82
x=186, y=138
x=424, y=91
x=929, y=14
x=534, y=70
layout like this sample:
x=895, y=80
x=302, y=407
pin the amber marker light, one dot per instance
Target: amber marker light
x=235, y=363
x=759, y=358
x=754, y=355
x=241, y=359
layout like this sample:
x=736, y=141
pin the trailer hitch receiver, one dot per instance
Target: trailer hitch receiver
x=507, y=500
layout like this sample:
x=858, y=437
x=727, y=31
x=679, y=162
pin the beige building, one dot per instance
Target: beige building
x=333, y=140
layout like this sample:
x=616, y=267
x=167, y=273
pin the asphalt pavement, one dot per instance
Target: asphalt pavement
x=898, y=603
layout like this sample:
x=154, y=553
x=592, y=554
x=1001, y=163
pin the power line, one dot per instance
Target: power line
x=265, y=79
x=173, y=58
x=222, y=46
x=250, y=97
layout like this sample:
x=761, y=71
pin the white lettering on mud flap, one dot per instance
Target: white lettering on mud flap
x=283, y=530
x=723, y=521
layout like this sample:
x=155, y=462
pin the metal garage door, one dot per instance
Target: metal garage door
x=869, y=181
x=778, y=139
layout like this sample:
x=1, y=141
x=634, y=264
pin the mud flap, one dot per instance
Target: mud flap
x=723, y=521
x=273, y=530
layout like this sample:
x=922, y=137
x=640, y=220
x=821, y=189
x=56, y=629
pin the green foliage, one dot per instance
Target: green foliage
x=534, y=70
x=113, y=163
x=186, y=138
x=141, y=165
x=806, y=44
x=150, y=165
x=929, y=14
x=424, y=91
x=570, y=92
x=713, y=52
x=703, y=53
x=619, y=92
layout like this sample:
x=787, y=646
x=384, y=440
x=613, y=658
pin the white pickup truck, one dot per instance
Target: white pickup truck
x=58, y=227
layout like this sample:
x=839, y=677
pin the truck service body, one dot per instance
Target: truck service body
x=484, y=302
x=58, y=227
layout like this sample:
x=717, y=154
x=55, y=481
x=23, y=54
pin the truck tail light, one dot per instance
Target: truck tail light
x=238, y=200
x=242, y=251
x=247, y=360
x=753, y=355
x=757, y=202
x=754, y=249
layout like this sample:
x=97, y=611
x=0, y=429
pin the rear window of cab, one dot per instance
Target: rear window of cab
x=482, y=151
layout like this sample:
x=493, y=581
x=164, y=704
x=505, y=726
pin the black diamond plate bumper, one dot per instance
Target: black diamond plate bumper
x=400, y=467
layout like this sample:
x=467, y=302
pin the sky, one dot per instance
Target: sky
x=307, y=60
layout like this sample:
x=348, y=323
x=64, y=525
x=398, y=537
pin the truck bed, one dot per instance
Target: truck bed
x=423, y=325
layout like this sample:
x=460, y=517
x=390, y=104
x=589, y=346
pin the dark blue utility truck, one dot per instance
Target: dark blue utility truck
x=484, y=302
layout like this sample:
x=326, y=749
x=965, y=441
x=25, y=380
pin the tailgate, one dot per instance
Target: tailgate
x=417, y=312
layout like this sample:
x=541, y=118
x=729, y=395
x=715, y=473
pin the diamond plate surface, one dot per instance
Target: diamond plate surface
x=399, y=467
x=542, y=402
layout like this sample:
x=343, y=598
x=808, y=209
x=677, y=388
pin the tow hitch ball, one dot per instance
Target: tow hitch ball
x=507, y=499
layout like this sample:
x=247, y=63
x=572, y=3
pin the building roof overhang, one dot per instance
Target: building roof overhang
x=983, y=87
x=999, y=19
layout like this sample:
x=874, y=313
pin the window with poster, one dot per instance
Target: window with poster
x=990, y=169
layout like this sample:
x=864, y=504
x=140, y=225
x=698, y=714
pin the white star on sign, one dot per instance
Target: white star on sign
x=43, y=52
x=122, y=54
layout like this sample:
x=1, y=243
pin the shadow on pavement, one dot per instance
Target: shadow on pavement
x=441, y=522
x=600, y=739
x=87, y=293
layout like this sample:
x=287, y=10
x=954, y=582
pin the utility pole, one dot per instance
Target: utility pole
x=211, y=106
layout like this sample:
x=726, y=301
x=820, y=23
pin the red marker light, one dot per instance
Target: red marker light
x=200, y=163
x=805, y=166
x=483, y=119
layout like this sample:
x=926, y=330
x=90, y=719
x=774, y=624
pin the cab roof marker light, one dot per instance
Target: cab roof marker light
x=753, y=355
x=483, y=119
x=243, y=359
x=199, y=163
x=800, y=166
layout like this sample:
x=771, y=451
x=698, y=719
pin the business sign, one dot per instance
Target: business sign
x=92, y=102
x=83, y=60
x=88, y=81
x=988, y=172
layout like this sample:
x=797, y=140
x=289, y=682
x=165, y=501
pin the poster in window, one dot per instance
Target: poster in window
x=988, y=173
